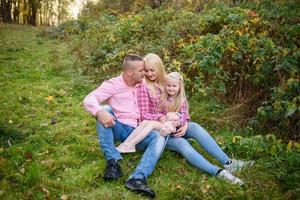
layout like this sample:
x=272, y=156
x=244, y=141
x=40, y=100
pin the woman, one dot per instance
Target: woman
x=150, y=95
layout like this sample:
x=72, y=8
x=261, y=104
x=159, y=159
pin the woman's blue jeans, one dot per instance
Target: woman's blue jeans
x=182, y=146
x=152, y=145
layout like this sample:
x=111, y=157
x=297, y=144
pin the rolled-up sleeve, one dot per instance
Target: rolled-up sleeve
x=93, y=100
x=184, y=113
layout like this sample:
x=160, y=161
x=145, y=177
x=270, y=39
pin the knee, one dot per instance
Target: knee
x=178, y=144
x=193, y=125
x=195, y=129
x=156, y=137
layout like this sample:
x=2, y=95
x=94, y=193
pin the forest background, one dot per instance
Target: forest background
x=240, y=61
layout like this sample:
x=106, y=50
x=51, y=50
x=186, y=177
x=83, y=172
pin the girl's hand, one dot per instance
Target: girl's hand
x=176, y=123
x=163, y=119
x=181, y=131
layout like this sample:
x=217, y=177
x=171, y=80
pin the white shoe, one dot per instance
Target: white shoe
x=238, y=165
x=227, y=176
x=123, y=148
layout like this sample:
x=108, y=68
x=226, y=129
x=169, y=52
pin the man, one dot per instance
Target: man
x=117, y=123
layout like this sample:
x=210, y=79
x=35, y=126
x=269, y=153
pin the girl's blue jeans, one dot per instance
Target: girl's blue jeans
x=182, y=146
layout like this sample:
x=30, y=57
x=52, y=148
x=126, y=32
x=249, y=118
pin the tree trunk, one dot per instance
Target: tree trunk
x=6, y=11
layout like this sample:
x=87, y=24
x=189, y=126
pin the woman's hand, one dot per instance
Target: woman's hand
x=106, y=119
x=181, y=131
x=163, y=119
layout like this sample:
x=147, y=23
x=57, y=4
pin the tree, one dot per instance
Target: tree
x=6, y=10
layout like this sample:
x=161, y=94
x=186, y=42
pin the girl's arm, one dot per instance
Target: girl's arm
x=184, y=113
x=147, y=105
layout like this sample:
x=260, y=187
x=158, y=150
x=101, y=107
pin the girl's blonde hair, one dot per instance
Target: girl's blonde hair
x=156, y=63
x=175, y=105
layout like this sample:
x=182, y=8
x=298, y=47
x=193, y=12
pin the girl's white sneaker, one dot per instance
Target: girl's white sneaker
x=227, y=176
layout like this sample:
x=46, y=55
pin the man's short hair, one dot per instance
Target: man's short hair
x=127, y=63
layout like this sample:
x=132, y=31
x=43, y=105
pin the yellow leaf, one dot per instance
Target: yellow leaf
x=255, y=20
x=239, y=32
x=49, y=98
x=10, y=121
x=297, y=145
x=285, y=51
x=178, y=186
x=47, y=193
x=64, y=197
x=22, y=170
x=289, y=146
x=234, y=140
x=273, y=149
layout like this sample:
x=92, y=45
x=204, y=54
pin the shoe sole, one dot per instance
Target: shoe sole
x=140, y=191
x=112, y=178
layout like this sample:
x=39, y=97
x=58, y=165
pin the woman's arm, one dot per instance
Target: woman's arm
x=147, y=105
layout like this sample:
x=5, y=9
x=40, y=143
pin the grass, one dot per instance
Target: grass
x=41, y=82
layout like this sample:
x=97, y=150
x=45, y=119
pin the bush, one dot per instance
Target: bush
x=247, y=56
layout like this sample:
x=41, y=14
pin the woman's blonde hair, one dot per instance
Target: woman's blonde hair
x=175, y=105
x=156, y=63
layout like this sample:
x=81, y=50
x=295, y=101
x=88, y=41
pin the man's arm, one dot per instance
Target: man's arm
x=93, y=100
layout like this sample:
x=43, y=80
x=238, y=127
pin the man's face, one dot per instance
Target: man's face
x=138, y=71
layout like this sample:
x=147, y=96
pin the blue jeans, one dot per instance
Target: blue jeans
x=152, y=145
x=182, y=146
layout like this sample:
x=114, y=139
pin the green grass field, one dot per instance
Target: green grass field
x=49, y=147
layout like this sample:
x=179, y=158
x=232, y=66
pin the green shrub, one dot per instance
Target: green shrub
x=246, y=57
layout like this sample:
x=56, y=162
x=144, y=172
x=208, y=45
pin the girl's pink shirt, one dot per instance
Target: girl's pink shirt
x=148, y=105
x=122, y=99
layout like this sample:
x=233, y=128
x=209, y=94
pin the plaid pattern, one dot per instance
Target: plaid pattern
x=148, y=106
x=184, y=111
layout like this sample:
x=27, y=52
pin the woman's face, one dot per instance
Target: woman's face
x=150, y=73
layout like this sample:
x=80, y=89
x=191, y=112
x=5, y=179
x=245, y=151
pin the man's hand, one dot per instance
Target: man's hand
x=105, y=118
x=181, y=131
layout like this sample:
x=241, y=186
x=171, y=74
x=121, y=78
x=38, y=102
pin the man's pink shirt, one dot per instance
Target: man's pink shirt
x=122, y=99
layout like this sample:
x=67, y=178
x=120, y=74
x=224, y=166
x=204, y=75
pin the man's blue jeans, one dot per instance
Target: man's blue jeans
x=152, y=145
x=198, y=133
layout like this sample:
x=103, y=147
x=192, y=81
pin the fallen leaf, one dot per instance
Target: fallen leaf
x=28, y=155
x=178, y=186
x=44, y=124
x=252, y=13
x=47, y=193
x=64, y=197
x=22, y=170
x=47, y=163
x=46, y=152
x=2, y=160
x=50, y=98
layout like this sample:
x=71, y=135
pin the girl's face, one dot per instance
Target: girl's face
x=172, y=87
x=150, y=73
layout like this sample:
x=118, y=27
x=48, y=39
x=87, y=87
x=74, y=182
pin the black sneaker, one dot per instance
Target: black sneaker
x=139, y=185
x=112, y=170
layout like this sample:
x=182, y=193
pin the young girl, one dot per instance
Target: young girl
x=174, y=110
